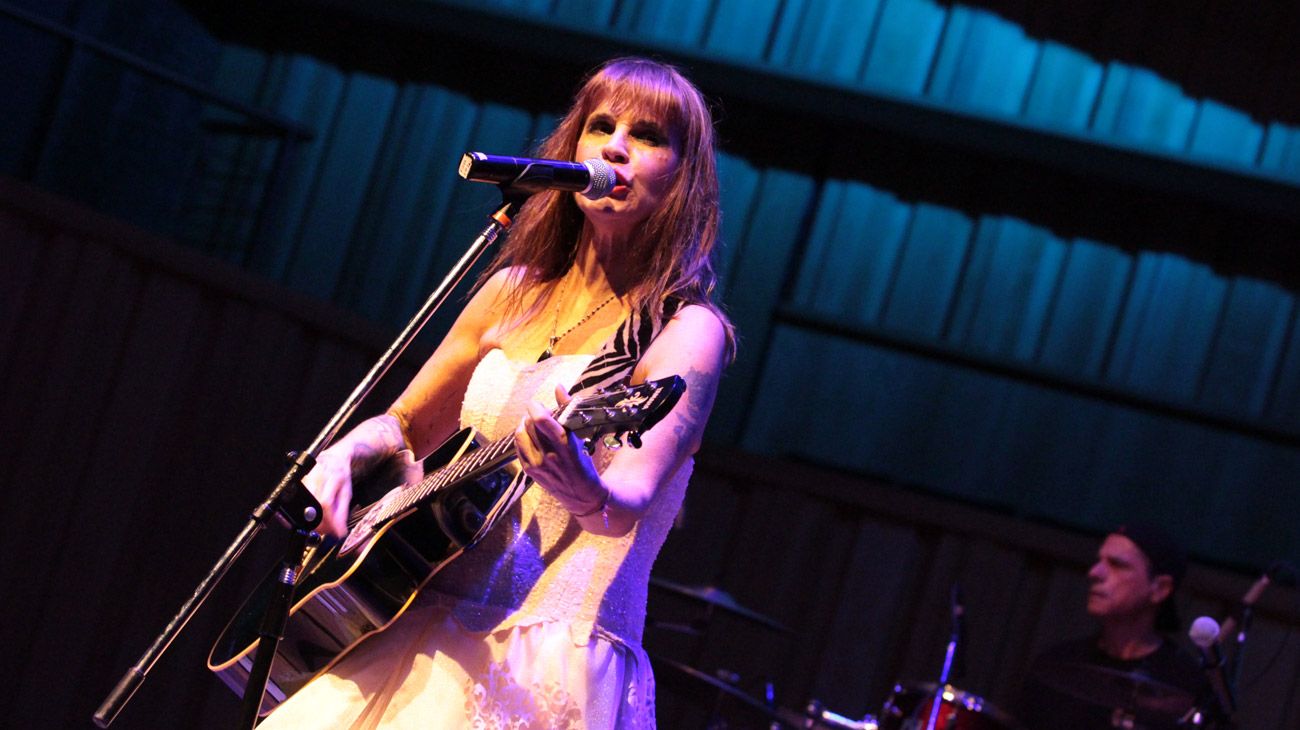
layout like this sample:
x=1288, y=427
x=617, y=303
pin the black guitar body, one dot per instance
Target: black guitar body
x=341, y=599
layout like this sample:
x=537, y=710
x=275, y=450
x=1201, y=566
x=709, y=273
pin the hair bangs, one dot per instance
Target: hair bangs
x=646, y=88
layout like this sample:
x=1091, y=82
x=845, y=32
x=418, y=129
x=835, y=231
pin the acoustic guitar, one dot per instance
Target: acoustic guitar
x=353, y=588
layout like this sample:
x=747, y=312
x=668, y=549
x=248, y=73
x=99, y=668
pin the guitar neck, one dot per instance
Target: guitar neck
x=483, y=459
x=623, y=409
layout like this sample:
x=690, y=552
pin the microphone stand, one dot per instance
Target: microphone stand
x=296, y=506
x=950, y=658
x=1234, y=664
x=1239, y=626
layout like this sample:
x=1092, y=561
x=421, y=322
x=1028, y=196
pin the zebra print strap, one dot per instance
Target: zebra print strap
x=622, y=351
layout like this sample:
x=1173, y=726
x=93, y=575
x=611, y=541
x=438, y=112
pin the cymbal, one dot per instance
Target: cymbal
x=1116, y=688
x=714, y=596
x=707, y=688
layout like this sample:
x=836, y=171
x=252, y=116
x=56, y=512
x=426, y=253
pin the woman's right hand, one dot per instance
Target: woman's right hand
x=330, y=482
x=367, y=446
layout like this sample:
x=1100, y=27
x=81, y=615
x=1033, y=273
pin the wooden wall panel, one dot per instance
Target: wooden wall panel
x=868, y=618
x=148, y=397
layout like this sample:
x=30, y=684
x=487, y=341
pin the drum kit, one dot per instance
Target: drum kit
x=922, y=706
x=720, y=693
x=1133, y=700
x=1136, y=698
x=909, y=707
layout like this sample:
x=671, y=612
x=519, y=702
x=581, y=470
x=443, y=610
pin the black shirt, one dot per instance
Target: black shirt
x=1064, y=692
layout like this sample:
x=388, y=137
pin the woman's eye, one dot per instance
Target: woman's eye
x=598, y=126
x=649, y=134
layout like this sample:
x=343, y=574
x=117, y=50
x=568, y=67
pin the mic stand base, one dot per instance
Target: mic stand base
x=273, y=623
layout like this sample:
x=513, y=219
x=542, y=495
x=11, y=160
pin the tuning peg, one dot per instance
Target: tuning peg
x=634, y=439
x=589, y=446
x=611, y=442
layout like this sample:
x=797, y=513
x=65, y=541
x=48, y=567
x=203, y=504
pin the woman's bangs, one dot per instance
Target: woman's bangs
x=647, y=93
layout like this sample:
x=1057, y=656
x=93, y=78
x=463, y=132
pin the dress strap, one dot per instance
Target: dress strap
x=614, y=362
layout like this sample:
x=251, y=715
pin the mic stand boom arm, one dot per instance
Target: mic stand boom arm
x=298, y=508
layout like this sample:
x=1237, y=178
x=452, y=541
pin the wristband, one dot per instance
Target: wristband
x=601, y=508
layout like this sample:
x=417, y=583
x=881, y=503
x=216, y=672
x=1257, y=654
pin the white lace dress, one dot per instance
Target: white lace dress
x=538, y=626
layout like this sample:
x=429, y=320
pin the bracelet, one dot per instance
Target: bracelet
x=602, y=508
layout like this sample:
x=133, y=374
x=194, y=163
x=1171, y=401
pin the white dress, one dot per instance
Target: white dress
x=538, y=626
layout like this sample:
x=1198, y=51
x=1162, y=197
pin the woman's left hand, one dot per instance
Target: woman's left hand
x=556, y=459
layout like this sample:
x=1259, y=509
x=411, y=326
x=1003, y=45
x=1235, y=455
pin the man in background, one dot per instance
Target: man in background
x=1130, y=674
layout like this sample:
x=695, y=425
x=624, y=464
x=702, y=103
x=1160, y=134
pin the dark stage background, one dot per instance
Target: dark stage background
x=1006, y=274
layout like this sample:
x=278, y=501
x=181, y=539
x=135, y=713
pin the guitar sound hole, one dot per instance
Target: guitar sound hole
x=461, y=511
x=469, y=516
x=458, y=517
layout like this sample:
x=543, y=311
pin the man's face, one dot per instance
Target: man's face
x=1122, y=584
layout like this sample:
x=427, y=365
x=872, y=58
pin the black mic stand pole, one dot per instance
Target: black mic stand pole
x=296, y=506
x=1277, y=572
x=951, y=658
x=1239, y=638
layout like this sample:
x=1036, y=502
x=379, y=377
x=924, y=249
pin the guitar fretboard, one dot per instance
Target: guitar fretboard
x=483, y=459
x=605, y=412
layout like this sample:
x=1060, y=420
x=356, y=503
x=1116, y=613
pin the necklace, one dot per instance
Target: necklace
x=554, y=338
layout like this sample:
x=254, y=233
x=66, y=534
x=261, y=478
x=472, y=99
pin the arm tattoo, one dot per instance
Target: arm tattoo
x=382, y=438
x=700, y=387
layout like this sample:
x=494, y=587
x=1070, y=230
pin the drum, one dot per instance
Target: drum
x=913, y=707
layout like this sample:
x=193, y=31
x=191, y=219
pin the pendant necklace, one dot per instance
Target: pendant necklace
x=554, y=338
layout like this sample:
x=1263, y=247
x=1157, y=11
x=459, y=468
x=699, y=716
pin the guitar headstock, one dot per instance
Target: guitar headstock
x=628, y=410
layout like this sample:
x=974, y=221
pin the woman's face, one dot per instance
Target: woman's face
x=644, y=154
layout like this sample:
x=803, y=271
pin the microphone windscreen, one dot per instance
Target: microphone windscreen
x=1204, y=632
x=603, y=178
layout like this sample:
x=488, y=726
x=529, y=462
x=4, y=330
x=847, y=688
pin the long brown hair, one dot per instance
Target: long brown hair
x=675, y=243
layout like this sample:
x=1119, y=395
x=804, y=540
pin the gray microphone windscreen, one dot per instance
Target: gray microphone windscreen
x=602, y=179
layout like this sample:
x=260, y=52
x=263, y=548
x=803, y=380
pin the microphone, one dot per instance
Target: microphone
x=1278, y=572
x=594, y=178
x=1205, y=634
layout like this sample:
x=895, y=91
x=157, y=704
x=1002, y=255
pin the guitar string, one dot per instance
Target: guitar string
x=422, y=489
x=425, y=487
